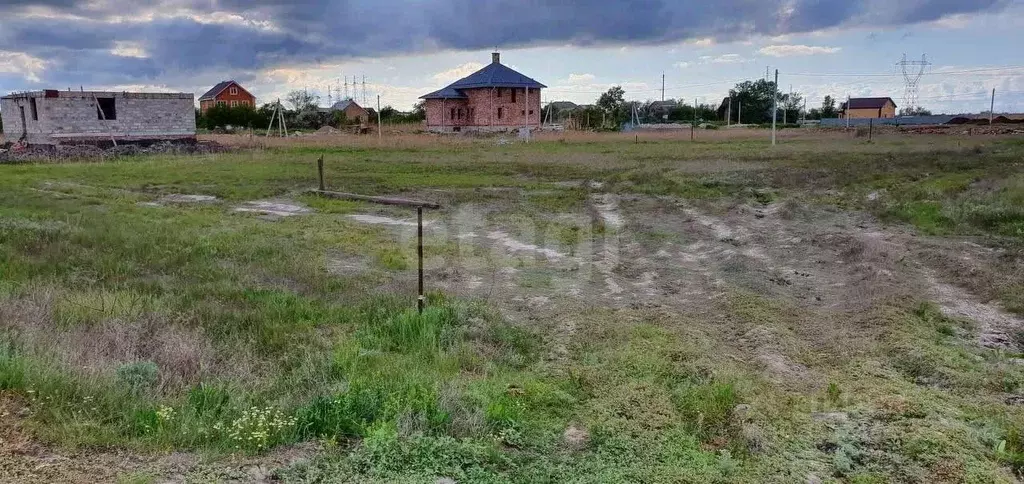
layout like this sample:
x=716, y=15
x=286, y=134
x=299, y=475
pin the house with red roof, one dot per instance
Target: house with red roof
x=495, y=98
x=226, y=93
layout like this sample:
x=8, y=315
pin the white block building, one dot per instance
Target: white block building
x=71, y=117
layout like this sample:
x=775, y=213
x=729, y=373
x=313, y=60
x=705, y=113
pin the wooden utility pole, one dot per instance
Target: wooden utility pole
x=728, y=114
x=380, y=127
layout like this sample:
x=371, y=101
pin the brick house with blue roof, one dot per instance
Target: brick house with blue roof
x=495, y=98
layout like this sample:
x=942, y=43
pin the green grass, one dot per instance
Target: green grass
x=193, y=328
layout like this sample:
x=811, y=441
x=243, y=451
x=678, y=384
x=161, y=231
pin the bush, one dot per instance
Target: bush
x=139, y=376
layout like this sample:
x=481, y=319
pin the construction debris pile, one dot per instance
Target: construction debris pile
x=22, y=153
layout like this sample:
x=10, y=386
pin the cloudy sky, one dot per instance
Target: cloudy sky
x=579, y=48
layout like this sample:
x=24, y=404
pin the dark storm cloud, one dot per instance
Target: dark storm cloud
x=77, y=41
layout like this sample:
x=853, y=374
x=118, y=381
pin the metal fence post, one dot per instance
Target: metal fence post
x=421, y=301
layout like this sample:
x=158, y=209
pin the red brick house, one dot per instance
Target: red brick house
x=226, y=93
x=495, y=98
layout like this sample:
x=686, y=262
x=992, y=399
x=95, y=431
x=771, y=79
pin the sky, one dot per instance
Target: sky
x=407, y=48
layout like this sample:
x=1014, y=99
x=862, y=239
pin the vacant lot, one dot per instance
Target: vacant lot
x=600, y=310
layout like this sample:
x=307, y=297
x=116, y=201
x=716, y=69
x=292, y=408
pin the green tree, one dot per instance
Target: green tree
x=915, y=111
x=302, y=100
x=828, y=108
x=790, y=104
x=613, y=103
x=756, y=100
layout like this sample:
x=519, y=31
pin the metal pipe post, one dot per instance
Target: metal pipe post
x=421, y=301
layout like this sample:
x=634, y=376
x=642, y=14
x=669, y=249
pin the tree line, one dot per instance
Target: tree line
x=301, y=110
x=749, y=102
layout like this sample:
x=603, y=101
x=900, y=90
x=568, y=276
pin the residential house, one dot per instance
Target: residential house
x=54, y=117
x=660, y=110
x=869, y=107
x=495, y=98
x=352, y=111
x=558, y=111
x=226, y=93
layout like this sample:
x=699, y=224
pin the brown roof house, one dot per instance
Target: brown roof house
x=226, y=93
x=54, y=117
x=495, y=98
x=353, y=112
x=869, y=107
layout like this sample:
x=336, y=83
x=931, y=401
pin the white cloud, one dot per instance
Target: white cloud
x=705, y=42
x=580, y=78
x=129, y=49
x=723, y=59
x=681, y=65
x=452, y=75
x=790, y=50
x=21, y=63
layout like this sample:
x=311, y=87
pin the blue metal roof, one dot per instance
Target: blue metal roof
x=446, y=93
x=495, y=74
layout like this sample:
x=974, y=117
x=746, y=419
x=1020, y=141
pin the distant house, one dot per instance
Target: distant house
x=558, y=111
x=869, y=107
x=661, y=109
x=352, y=111
x=495, y=98
x=226, y=93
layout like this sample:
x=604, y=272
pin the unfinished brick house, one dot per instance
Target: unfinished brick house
x=53, y=117
x=226, y=93
x=495, y=98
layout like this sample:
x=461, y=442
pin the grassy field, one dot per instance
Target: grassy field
x=601, y=309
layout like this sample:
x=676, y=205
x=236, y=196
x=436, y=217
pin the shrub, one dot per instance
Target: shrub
x=138, y=376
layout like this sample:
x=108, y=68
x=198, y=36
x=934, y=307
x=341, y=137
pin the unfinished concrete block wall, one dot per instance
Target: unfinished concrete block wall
x=69, y=116
x=18, y=118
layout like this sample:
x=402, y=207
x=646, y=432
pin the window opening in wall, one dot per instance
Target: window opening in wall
x=499, y=113
x=35, y=110
x=531, y=112
x=460, y=113
x=234, y=104
x=499, y=93
x=524, y=112
x=233, y=91
x=452, y=115
x=105, y=108
x=513, y=94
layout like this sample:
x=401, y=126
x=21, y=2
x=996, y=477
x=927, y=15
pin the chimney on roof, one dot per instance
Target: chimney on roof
x=495, y=57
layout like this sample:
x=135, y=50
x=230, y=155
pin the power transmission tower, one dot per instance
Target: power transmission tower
x=364, y=91
x=912, y=72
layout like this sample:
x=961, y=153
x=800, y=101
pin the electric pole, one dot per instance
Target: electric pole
x=663, y=87
x=775, y=105
x=992, y=109
x=846, y=112
x=728, y=114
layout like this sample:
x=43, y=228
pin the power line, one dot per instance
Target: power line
x=933, y=73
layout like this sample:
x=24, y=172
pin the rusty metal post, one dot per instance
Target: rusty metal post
x=320, y=171
x=421, y=301
x=871, y=129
